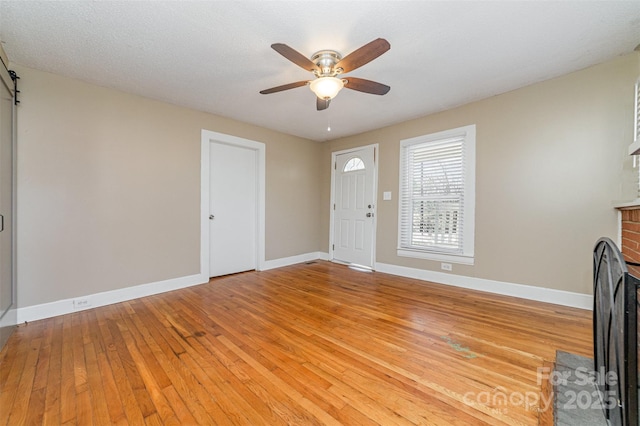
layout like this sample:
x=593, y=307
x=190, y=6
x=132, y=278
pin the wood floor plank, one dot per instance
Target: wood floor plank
x=44, y=359
x=185, y=383
x=153, y=377
x=67, y=376
x=96, y=386
x=24, y=389
x=52, y=413
x=84, y=414
x=133, y=372
x=112, y=395
x=299, y=399
x=107, y=404
x=312, y=344
x=179, y=407
x=114, y=342
x=10, y=371
x=35, y=411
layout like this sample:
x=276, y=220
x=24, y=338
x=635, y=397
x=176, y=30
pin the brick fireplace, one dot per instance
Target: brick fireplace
x=631, y=234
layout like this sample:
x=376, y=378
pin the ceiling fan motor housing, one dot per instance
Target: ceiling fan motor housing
x=326, y=61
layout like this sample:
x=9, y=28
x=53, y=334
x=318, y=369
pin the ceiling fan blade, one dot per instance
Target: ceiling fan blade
x=322, y=103
x=366, y=86
x=363, y=55
x=284, y=87
x=294, y=56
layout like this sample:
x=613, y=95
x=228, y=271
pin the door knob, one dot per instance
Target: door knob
x=369, y=214
x=211, y=217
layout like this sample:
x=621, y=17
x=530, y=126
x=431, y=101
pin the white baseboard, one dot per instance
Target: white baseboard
x=558, y=297
x=66, y=306
x=286, y=261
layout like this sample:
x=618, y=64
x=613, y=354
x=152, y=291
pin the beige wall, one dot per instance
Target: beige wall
x=108, y=183
x=109, y=189
x=551, y=158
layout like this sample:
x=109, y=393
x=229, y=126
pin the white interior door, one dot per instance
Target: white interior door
x=233, y=209
x=354, y=208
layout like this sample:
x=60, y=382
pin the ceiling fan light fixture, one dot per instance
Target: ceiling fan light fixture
x=326, y=87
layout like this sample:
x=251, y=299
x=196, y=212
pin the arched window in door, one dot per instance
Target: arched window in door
x=353, y=164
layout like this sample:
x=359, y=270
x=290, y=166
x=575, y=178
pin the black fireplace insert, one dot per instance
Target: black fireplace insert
x=615, y=334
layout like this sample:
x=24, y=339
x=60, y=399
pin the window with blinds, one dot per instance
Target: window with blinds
x=636, y=134
x=437, y=196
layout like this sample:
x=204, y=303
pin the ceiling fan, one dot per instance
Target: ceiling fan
x=328, y=65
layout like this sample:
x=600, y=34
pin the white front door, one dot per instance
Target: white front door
x=233, y=209
x=354, y=194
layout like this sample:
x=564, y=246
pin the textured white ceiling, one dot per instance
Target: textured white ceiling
x=215, y=56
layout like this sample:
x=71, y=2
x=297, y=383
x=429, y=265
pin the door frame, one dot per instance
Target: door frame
x=209, y=137
x=376, y=153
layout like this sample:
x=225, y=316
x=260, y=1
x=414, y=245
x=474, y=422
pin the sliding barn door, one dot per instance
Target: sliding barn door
x=7, y=286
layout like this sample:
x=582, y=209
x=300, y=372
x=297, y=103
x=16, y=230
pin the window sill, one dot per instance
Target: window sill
x=440, y=257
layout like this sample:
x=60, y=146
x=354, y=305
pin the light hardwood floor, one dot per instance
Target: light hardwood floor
x=301, y=345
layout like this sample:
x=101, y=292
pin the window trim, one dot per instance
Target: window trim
x=467, y=257
x=636, y=114
x=634, y=148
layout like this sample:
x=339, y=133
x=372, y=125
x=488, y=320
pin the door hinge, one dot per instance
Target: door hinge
x=334, y=206
x=333, y=246
x=335, y=166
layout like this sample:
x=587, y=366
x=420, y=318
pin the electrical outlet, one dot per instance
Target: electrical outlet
x=445, y=266
x=81, y=303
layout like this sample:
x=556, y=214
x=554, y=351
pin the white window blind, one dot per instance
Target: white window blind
x=436, y=194
x=637, y=113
